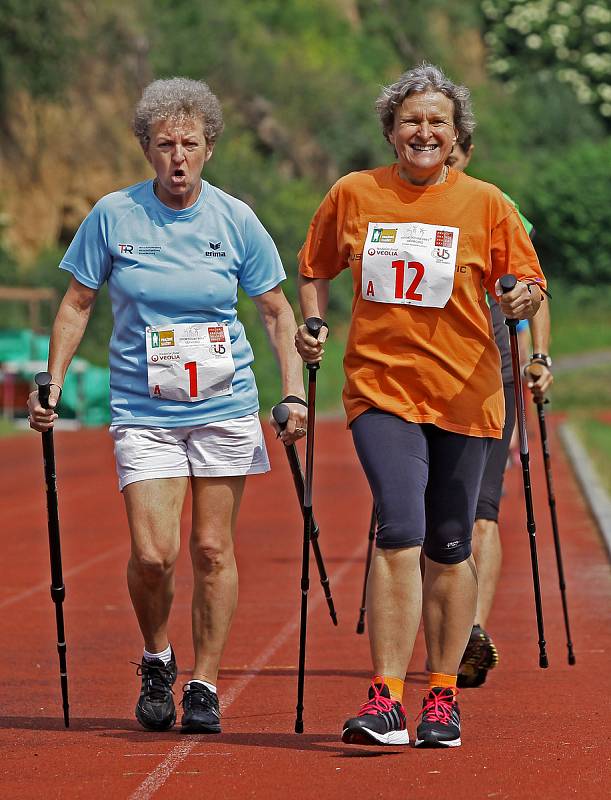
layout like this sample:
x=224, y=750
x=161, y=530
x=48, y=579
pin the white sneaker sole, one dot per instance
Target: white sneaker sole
x=366, y=736
x=436, y=743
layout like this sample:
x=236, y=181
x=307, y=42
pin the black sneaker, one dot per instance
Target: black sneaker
x=440, y=725
x=155, y=708
x=480, y=656
x=201, y=710
x=381, y=720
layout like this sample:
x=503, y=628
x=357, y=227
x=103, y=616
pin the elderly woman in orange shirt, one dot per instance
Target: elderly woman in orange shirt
x=423, y=393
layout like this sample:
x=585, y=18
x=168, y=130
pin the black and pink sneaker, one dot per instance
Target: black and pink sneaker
x=440, y=724
x=381, y=720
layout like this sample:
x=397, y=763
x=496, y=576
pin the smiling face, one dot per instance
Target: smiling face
x=423, y=135
x=177, y=151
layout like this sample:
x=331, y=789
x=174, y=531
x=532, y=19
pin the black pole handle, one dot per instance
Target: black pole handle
x=281, y=414
x=507, y=283
x=314, y=326
x=43, y=381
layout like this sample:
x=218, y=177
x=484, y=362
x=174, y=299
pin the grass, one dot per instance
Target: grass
x=7, y=428
x=596, y=437
x=582, y=391
x=580, y=319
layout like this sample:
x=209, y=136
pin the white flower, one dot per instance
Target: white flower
x=565, y=9
x=534, y=41
x=605, y=109
x=602, y=38
x=558, y=34
x=597, y=14
x=604, y=90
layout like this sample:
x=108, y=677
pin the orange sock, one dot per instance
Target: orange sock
x=395, y=686
x=439, y=679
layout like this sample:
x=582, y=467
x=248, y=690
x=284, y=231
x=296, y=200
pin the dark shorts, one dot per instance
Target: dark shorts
x=425, y=483
x=492, y=480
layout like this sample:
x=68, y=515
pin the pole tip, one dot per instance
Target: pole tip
x=360, y=628
x=543, y=662
x=334, y=618
x=571, y=659
x=298, y=726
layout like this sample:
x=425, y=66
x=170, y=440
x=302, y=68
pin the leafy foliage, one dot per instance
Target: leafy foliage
x=565, y=39
x=571, y=198
x=36, y=47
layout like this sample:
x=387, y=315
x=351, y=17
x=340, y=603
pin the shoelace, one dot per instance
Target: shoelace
x=158, y=680
x=438, y=707
x=376, y=704
x=199, y=693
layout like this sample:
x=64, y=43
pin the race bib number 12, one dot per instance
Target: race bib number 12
x=189, y=361
x=409, y=263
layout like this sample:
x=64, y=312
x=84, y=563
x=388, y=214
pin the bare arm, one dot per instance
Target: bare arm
x=539, y=375
x=68, y=329
x=279, y=321
x=313, y=299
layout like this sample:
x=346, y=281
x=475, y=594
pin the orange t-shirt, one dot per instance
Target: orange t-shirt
x=424, y=364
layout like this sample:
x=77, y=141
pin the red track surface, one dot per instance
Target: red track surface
x=527, y=732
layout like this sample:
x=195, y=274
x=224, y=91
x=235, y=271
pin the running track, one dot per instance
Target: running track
x=527, y=733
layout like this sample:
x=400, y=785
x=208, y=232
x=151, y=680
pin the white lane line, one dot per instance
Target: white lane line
x=17, y=598
x=177, y=754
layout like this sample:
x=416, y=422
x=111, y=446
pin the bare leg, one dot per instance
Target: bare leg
x=394, y=605
x=153, y=511
x=450, y=597
x=488, y=555
x=216, y=502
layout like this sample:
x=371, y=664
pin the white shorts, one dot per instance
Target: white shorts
x=216, y=449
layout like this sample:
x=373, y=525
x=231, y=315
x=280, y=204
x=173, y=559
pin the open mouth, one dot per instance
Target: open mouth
x=424, y=148
x=178, y=176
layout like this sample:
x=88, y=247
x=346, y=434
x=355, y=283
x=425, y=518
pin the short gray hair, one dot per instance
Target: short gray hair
x=426, y=78
x=172, y=98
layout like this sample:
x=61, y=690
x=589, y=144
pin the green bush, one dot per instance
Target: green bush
x=568, y=199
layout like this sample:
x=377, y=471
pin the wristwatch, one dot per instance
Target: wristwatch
x=543, y=358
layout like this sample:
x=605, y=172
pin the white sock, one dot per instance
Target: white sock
x=165, y=655
x=210, y=686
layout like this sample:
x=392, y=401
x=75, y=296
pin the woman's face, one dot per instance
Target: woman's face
x=423, y=135
x=177, y=151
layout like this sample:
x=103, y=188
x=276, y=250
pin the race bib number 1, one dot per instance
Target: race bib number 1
x=409, y=263
x=189, y=361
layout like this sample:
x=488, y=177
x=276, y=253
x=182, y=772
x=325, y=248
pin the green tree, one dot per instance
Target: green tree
x=565, y=39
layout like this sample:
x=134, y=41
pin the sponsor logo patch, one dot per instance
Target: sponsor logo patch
x=216, y=334
x=162, y=338
x=388, y=235
x=443, y=238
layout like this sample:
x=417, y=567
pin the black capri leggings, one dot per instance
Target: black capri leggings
x=494, y=471
x=425, y=483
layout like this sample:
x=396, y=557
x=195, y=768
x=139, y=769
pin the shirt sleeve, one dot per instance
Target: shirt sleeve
x=512, y=252
x=261, y=269
x=88, y=257
x=320, y=256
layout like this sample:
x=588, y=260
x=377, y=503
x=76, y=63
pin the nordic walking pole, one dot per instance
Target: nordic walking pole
x=281, y=414
x=58, y=590
x=551, y=498
x=360, y=625
x=507, y=283
x=314, y=325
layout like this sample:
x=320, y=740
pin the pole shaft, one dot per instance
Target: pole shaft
x=555, y=532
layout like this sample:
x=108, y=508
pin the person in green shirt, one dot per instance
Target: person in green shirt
x=481, y=654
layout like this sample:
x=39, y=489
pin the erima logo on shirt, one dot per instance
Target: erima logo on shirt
x=215, y=250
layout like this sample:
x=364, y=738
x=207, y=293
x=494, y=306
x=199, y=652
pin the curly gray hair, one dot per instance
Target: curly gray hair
x=426, y=78
x=177, y=97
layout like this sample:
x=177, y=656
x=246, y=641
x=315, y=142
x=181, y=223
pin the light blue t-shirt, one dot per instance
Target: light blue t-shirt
x=168, y=267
